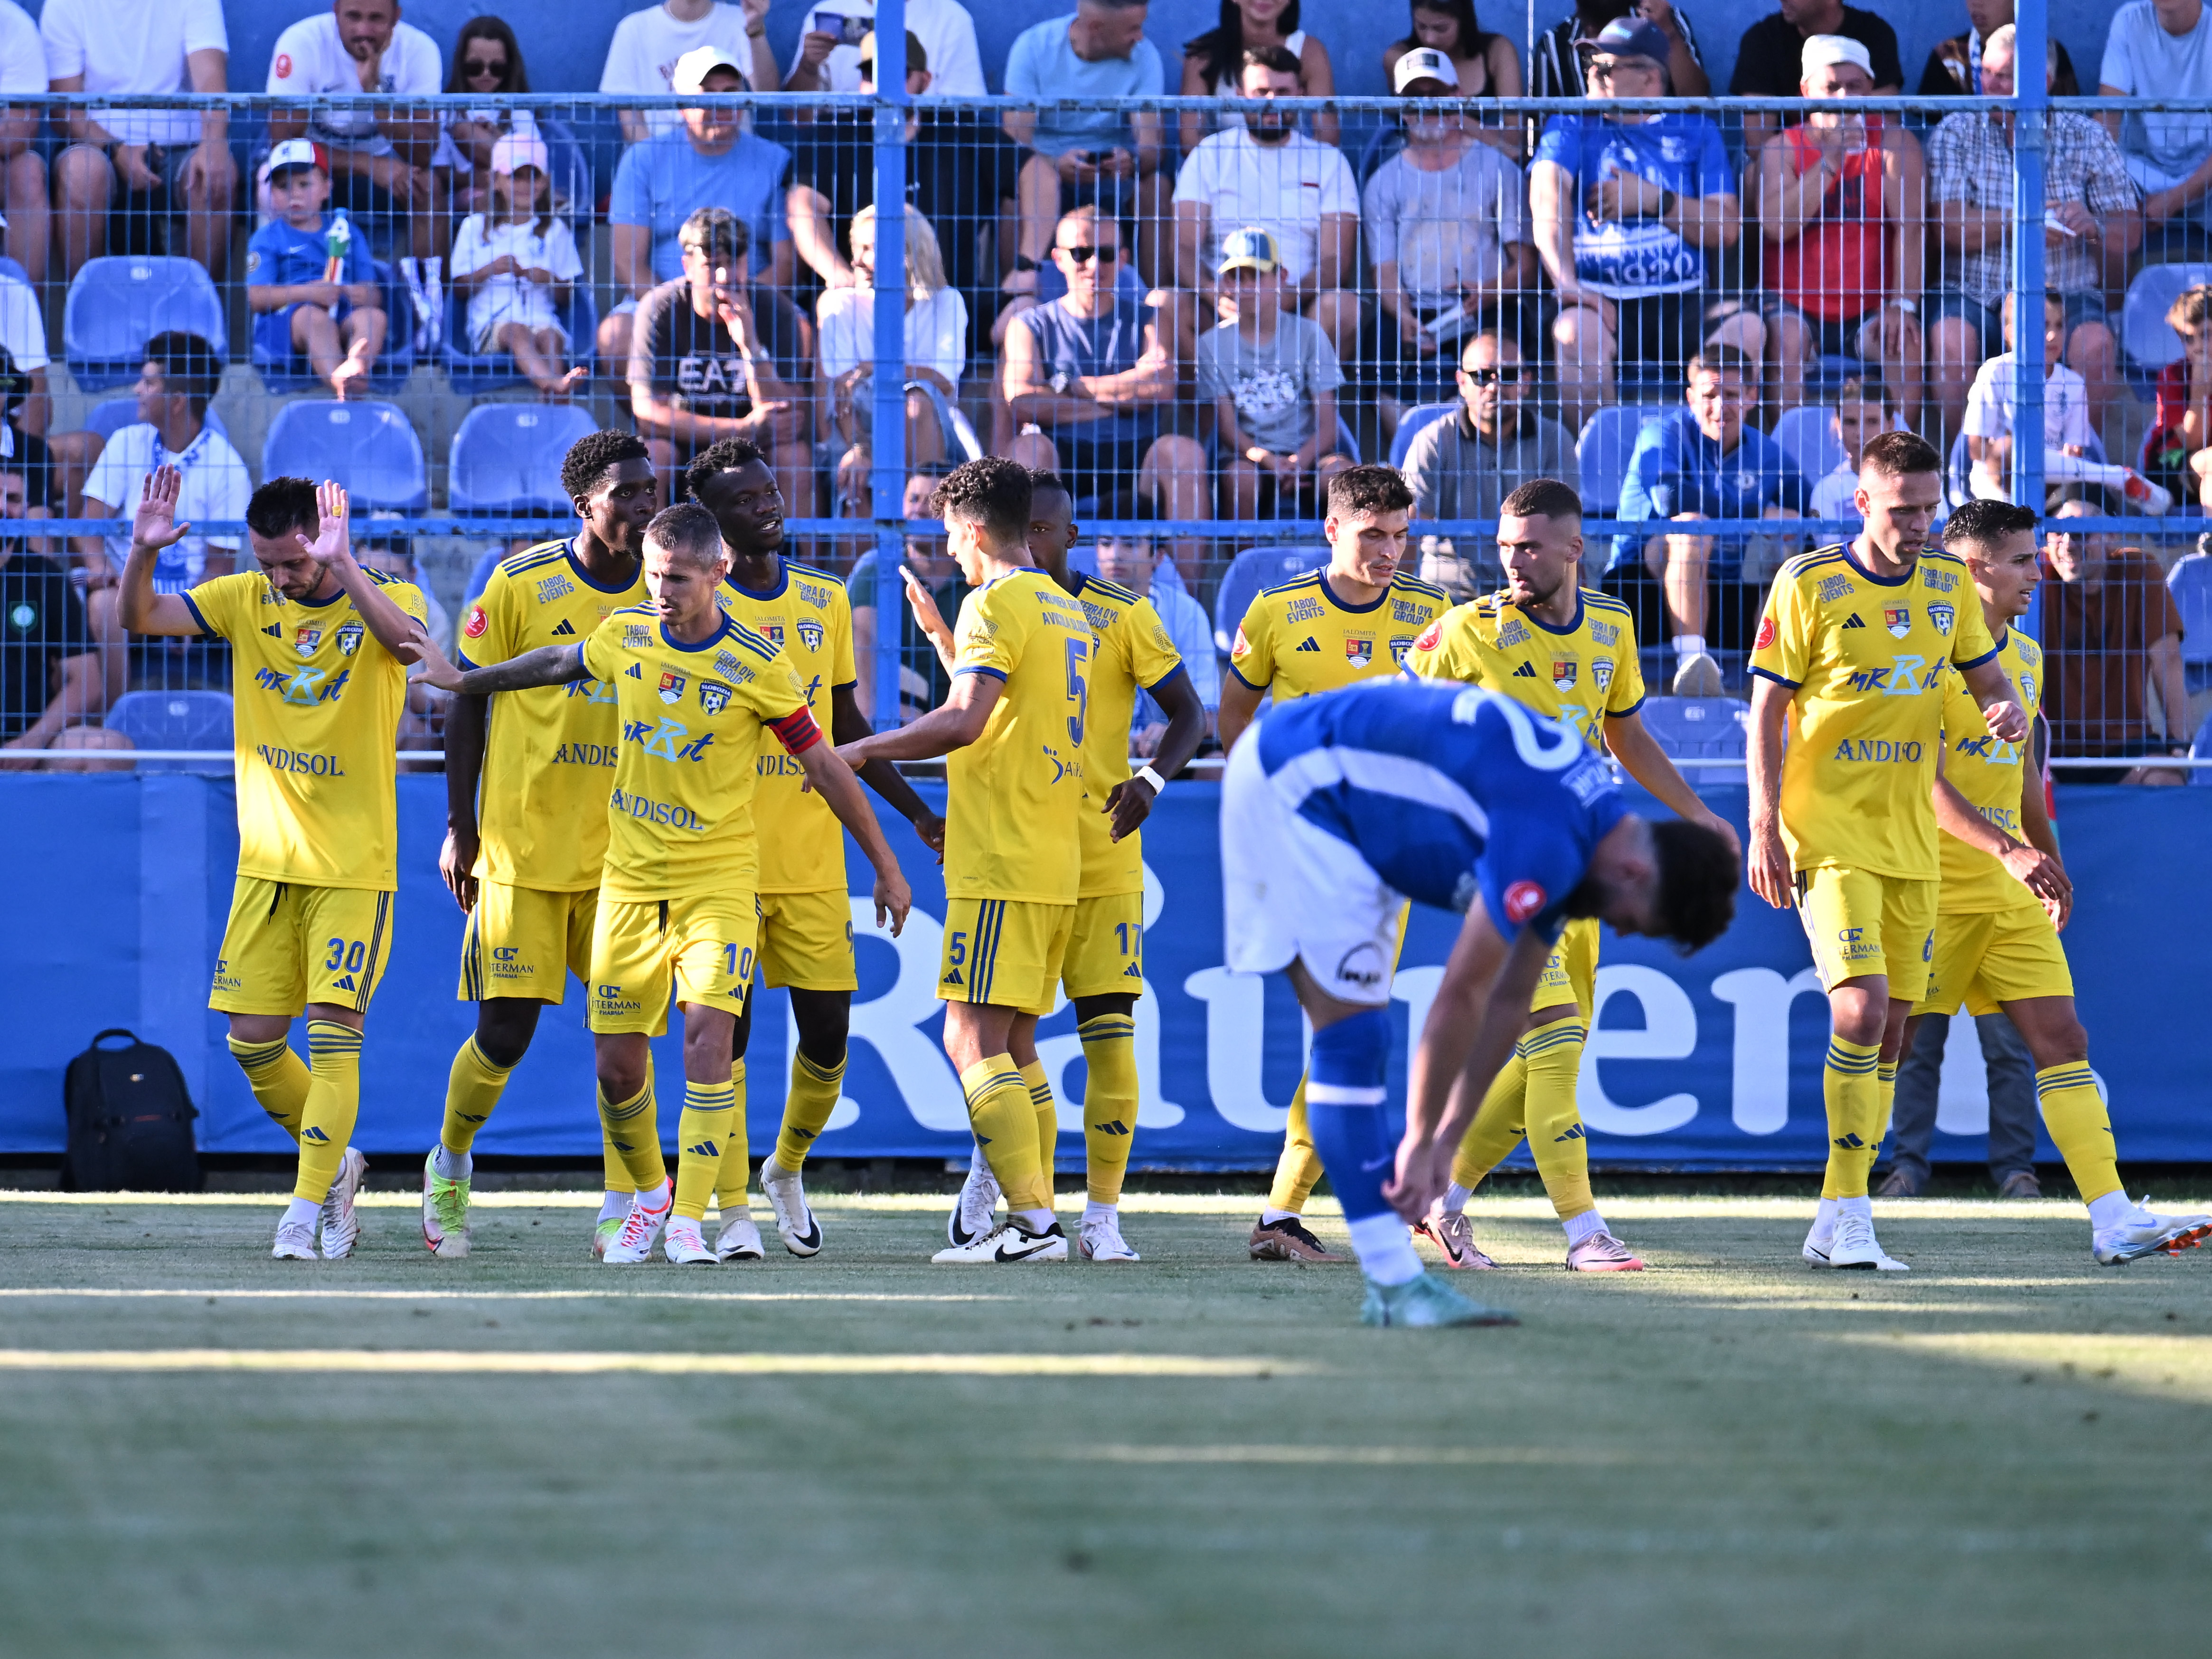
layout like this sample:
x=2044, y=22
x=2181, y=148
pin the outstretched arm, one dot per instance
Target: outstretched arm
x=549, y=664
x=954, y=723
x=848, y=724
x=139, y=608
x=1131, y=800
x=1642, y=758
x=833, y=780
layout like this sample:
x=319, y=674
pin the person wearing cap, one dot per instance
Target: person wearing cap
x=122, y=169
x=1272, y=378
x=1448, y=232
x=1629, y=213
x=1477, y=63
x=338, y=325
x=379, y=159
x=1772, y=61
x=1556, y=66
x=647, y=44
x=827, y=61
x=960, y=172
x=710, y=160
x=1265, y=173
x=713, y=357
x=2092, y=226
x=1843, y=229
x=516, y=262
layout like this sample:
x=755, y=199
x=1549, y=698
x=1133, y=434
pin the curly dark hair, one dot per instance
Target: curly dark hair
x=1368, y=488
x=1698, y=876
x=991, y=493
x=723, y=455
x=282, y=506
x=591, y=456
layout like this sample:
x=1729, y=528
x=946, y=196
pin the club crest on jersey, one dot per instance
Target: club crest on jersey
x=1942, y=615
x=1601, y=673
x=671, y=686
x=306, y=638
x=350, y=638
x=1898, y=618
x=714, y=696
x=1399, y=645
x=1359, y=649
x=810, y=632
x=773, y=632
x=1564, y=673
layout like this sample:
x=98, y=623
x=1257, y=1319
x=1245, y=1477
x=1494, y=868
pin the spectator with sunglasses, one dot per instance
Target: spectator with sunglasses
x=487, y=60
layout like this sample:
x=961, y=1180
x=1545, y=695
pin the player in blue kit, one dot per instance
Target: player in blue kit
x=1339, y=810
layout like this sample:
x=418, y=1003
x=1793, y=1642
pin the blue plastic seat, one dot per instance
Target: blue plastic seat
x=368, y=447
x=290, y=372
x=1697, y=728
x=117, y=304
x=1608, y=439
x=111, y=415
x=174, y=720
x=1251, y=572
x=481, y=371
x=506, y=459
x=2145, y=338
x=1807, y=436
x=1411, y=425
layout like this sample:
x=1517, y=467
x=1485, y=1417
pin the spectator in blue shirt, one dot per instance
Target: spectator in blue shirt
x=1705, y=464
x=709, y=161
x=1626, y=210
x=309, y=278
x=1072, y=156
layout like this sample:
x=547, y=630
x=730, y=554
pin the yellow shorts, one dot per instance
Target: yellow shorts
x=1862, y=923
x=1004, y=952
x=705, y=942
x=523, y=942
x=1106, y=951
x=1995, y=956
x=806, y=941
x=285, y=946
x=1570, y=971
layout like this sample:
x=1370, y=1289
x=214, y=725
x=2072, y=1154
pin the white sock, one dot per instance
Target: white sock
x=1095, y=1211
x=452, y=1165
x=615, y=1205
x=1036, y=1220
x=1859, y=1207
x=979, y=1165
x=1580, y=1227
x=1269, y=1217
x=1385, y=1250
x=2112, y=1209
x=304, y=1210
x=659, y=1198
x=769, y=1166
x=682, y=1224
x=1689, y=645
x=1455, y=1198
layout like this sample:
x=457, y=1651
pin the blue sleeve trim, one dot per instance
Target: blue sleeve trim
x=844, y=685
x=192, y=605
x=1787, y=685
x=1178, y=672
x=996, y=673
x=1623, y=714
x=1241, y=680
x=1986, y=656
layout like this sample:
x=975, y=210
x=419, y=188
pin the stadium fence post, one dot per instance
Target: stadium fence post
x=887, y=449
x=2030, y=105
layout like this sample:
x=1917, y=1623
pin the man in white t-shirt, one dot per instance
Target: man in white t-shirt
x=2162, y=49
x=1266, y=175
x=141, y=164
x=379, y=158
x=641, y=57
x=827, y=62
x=22, y=170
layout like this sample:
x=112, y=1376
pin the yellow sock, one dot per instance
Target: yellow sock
x=630, y=1129
x=1852, y=1093
x=279, y=1078
x=2080, y=1127
x=472, y=1089
x=1299, y=1167
x=735, y=1172
x=701, y=1133
x=1885, y=1079
x=1004, y=1120
x=614, y=1175
x=813, y=1097
x=1496, y=1130
x=1048, y=1120
x=1109, y=1102
x=333, y=1102
x=1554, y=1058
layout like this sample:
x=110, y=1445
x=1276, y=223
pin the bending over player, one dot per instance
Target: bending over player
x=1337, y=810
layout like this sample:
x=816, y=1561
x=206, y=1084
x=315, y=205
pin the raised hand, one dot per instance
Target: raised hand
x=332, y=539
x=154, y=524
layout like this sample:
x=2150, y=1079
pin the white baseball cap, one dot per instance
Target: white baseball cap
x=1424, y=64
x=691, y=70
x=516, y=150
x=1822, y=51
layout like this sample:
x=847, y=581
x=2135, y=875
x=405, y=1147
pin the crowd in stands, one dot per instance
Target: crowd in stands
x=1194, y=317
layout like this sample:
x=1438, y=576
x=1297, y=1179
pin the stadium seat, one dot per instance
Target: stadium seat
x=368, y=447
x=1697, y=728
x=470, y=371
x=117, y=303
x=111, y=415
x=288, y=371
x=506, y=459
x=1251, y=571
x=174, y=720
x=1411, y=424
x=1608, y=439
x=1807, y=436
x=2148, y=343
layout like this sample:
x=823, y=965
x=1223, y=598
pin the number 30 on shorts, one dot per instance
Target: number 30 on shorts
x=346, y=956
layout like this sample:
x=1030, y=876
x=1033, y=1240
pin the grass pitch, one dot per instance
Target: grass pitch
x=208, y=1452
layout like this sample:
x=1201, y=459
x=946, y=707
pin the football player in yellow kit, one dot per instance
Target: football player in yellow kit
x=2006, y=896
x=1013, y=725
x=806, y=914
x=676, y=902
x=1354, y=621
x=319, y=649
x=523, y=862
x=1852, y=658
x=1103, y=974
x=1567, y=651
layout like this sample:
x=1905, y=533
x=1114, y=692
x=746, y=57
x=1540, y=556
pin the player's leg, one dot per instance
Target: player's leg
x=347, y=933
x=712, y=941
x=1103, y=978
x=631, y=964
x=736, y=1238
x=806, y=946
x=260, y=983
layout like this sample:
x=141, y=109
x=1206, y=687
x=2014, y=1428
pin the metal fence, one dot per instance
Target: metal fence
x=1475, y=291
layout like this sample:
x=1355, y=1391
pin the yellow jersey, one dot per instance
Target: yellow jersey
x=1014, y=795
x=315, y=706
x=1867, y=657
x=805, y=615
x=1992, y=775
x=680, y=818
x=549, y=751
x=1300, y=638
x=1581, y=672
x=1134, y=650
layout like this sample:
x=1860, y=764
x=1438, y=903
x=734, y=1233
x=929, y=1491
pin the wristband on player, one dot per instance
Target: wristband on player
x=1148, y=776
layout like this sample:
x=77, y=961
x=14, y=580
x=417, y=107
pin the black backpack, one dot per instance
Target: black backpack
x=129, y=1121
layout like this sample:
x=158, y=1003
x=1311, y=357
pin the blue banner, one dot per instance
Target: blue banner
x=1711, y=1062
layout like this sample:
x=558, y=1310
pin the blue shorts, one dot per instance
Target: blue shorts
x=1950, y=302
x=272, y=330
